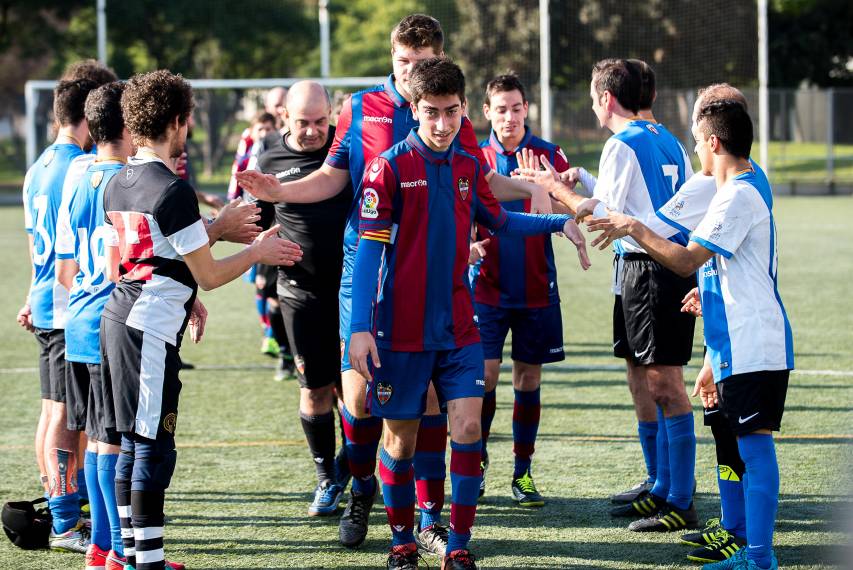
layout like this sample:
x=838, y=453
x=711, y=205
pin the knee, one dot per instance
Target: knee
x=467, y=430
x=318, y=400
x=526, y=377
x=491, y=374
x=153, y=465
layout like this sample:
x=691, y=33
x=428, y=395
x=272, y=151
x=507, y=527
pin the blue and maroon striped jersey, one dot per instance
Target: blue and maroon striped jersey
x=371, y=122
x=421, y=205
x=518, y=272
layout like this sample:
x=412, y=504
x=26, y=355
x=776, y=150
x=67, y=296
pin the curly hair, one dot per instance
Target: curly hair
x=103, y=112
x=90, y=69
x=69, y=98
x=418, y=31
x=436, y=76
x=151, y=101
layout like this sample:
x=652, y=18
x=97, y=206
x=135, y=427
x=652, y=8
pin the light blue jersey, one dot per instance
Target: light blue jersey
x=43, y=194
x=82, y=239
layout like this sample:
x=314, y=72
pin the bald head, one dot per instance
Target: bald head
x=717, y=92
x=307, y=116
x=274, y=101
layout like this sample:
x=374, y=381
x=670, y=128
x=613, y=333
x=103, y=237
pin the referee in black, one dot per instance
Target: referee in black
x=308, y=291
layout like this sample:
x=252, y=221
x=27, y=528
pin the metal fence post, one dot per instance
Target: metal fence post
x=830, y=136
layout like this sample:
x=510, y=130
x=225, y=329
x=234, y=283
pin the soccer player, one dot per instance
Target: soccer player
x=90, y=69
x=517, y=288
x=308, y=292
x=158, y=253
x=44, y=312
x=80, y=268
x=420, y=199
x=371, y=122
x=747, y=333
x=262, y=125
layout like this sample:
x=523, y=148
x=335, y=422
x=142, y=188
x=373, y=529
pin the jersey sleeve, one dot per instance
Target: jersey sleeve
x=178, y=217
x=687, y=207
x=488, y=210
x=729, y=219
x=64, y=233
x=338, y=156
x=617, y=172
x=380, y=185
x=467, y=140
x=560, y=162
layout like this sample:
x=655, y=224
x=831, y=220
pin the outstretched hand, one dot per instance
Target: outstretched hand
x=573, y=232
x=273, y=250
x=261, y=186
x=237, y=219
x=613, y=227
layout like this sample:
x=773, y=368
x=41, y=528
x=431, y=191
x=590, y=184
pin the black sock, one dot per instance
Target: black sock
x=727, y=449
x=278, y=330
x=124, y=516
x=148, y=523
x=320, y=433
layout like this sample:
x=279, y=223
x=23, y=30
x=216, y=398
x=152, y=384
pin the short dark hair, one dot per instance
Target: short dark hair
x=263, y=117
x=436, y=76
x=103, y=112
x=418, y=31
x=90, y=69
x=621, y=79
x=728, y=120
x=647, y=83
x=69, y=98
x=151, y=101
x=504, y=83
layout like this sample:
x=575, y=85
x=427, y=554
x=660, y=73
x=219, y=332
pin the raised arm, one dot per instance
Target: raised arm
x=322, y=184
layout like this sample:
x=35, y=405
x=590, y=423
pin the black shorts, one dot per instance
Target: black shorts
x=620, y=335
x=712, y=417
x=52, y=363
x=657, y=331
x=312, y=325
x=76, y=395
x=754, y=400
x=143, y=372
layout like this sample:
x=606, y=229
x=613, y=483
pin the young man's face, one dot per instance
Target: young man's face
x=308, y=123
x=440, y=118
x=507, y=111
x=598, y=105
x=260, y=130
x=179, y=139
x=703, y=150
x=403, y=58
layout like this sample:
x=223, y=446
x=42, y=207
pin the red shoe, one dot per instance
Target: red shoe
x=115, y=562
x=96, y=558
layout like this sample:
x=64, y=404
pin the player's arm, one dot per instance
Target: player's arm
x=112, y=257
x=236, y=223
x=66, y=271
x=322, y=184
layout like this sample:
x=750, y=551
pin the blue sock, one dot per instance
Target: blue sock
x=762, y=495
x=465, y=480
x=65, y=510
x=648, y=432
x=398, y=492
x=107, y=485
x=732, y=504
x=82, y=490
x=97, y=509
x=661, y=487
x=682, y=459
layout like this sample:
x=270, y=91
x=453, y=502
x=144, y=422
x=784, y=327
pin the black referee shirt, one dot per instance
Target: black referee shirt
x=318, y=227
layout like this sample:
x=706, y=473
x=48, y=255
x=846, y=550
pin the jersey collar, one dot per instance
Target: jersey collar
x=499, y=148
x=393, y=94
x=414, y=141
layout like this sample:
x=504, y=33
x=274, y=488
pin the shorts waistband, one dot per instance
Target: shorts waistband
x=637, y=257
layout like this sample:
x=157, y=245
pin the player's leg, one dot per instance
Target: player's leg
x=494, y=326
x=76, y=405
x=537, y=339
x=286, y=367
x=430, y=474
x=42, y=338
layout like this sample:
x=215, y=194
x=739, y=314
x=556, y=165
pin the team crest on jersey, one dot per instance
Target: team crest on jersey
x=129, y=173
x=374, y=171
x=463, y=184
x=97, y=177
x=676, y=208
x=369, y=204
x=48, y=157
x=170, y=422
x=716, y=230
x=299, y=362
x=383, y=392
x=652, y=128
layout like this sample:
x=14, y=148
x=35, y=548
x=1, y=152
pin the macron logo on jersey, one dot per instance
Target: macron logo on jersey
x=413, y=184
x=369, y=119
x=289, y=172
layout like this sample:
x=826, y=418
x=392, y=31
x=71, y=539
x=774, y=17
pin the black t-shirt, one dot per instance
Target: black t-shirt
x=317, y=227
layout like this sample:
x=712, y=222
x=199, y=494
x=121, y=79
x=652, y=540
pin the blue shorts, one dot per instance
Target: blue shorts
x=537, y=334
x=345, y=316
x=398, y=389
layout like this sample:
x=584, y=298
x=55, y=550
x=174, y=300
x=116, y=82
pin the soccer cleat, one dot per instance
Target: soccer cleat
x=669, y=518
x=327, y=495
x=524, y=492
x=723, y=548
x=353, y=526
x=459, y=560
x=706, y=536
x=484, y=466
x=632, y=494
x=96, y=558
x=116, y=562
x=74, y=540
x=433, y=539
x=285, y=369
x=403, y=557
x=270, y=347
x=645, y=505
x=739, y=561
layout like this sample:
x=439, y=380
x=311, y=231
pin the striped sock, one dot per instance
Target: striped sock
x=106, y=483
x=430, y=468
x=398, y=492
x=97, y=507
x=147, y=517
x=362, y=442
x=661, y=487
x=465, y=482
x=487, y=416
x=124, y=471
x=648, y=432
x=525, y=426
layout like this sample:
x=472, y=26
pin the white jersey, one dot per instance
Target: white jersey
x=683, y=212
x=746, y=327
